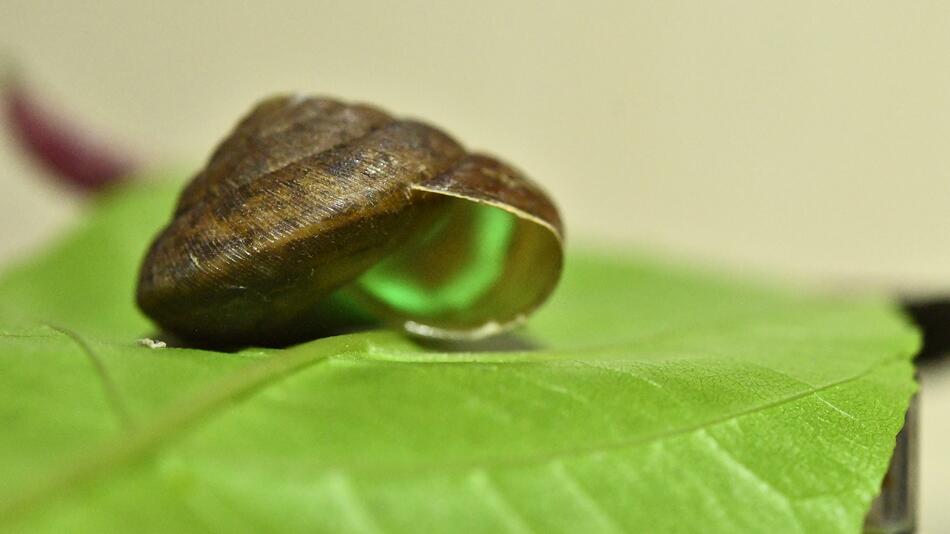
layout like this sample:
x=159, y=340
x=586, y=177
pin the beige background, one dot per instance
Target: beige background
x=806, y=139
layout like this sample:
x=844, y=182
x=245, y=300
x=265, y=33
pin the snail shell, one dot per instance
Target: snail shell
x=311, y=202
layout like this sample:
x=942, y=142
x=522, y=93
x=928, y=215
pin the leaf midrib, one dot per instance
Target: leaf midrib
x=527, y=460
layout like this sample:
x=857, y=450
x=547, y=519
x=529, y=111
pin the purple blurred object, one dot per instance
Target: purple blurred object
x=63, y=148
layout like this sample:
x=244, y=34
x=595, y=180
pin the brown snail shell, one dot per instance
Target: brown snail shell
x=310, y=202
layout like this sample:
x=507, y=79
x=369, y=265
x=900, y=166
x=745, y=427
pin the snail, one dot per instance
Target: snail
x=312, y=205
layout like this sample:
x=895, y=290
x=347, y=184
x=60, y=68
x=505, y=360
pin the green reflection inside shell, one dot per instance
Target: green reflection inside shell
x=418, y=283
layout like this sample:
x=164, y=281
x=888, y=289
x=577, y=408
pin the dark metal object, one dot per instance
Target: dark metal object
x=894, y=511
x=932, y=315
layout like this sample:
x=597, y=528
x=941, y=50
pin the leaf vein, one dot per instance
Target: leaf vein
x=489, y=492
x=727, y=457
x=352, y=504
x=111, y=390
x=582, y=496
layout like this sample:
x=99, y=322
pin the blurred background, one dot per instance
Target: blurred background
x=801, y=140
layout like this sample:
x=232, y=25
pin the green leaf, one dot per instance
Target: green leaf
x=643, y=397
